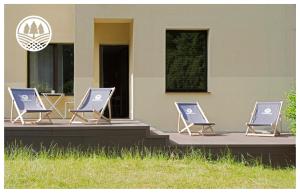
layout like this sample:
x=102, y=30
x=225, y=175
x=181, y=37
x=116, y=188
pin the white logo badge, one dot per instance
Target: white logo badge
x=267, y=111
x=98, y=97
x=24, y=98
x=33, y=33
x=189, y=111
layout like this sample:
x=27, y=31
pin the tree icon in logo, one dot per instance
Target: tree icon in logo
x=33, y=29
x=26, y=29
x=41, y=29
x=33, y=33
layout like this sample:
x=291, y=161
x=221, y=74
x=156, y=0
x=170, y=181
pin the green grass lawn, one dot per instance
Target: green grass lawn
x=24, y=169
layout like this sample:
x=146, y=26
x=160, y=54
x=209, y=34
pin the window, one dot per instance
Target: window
x=52, y=68
x=186, y=60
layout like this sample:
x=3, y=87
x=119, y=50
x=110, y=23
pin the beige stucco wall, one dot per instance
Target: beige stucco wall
x=108, y=34
x=251, y=55
x=61, y=19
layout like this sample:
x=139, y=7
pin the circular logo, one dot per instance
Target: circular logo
x=189, y=111
x=24, y=98
x=267, y=111
x=98, y=97
x=33, y=33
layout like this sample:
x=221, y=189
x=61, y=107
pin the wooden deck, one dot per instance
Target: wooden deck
x=279, y=150
x=230, y=139
x=121, y=133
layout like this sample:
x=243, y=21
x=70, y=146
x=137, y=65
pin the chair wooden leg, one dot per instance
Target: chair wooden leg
x=109, y=111
x=72, y=118
x=99, y=116
x=40, y=118
x=187, y=127
x=189, y=131
x=82, y=118
x=20, y=116
x=280, y=124
x=250, y=128
x=48, y=116
x=202, y=130
x=207, y=130
x=275, y=132
x=11, y=111
x=45, y=116
x=182, y=130
x=247, y=130
x=178, y=123
x=211, y=129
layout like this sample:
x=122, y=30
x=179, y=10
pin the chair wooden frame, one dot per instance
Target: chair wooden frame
x=251, y=131
x=187, y=127
x=21, y=114
x=97, y=114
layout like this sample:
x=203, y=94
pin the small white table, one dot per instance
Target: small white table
x=54, y=104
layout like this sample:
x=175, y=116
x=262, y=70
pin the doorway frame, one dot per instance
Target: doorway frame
x=130, y=78
x=122, y=20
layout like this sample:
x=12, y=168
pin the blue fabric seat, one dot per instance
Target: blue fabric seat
x=191, y=114
x=94, y=101
x=265, y=114
x=27, y=100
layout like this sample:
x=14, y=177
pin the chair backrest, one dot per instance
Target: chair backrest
x=26, y=98
x=96, y=99
x=191, y=112
x=266, y=112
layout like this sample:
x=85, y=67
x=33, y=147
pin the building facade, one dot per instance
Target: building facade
x=248, y=54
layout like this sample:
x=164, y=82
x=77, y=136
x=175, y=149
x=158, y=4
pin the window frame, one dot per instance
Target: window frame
x=207, y=61
x=54, y=55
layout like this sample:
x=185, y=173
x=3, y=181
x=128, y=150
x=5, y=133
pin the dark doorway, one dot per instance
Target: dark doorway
x=114, y=72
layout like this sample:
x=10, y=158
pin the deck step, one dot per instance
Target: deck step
x=116, y=134
x=156, y=138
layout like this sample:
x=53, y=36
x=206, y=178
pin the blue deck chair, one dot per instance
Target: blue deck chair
x=27, y=100
x=264, y=114
x=94, y=101
x=191, y=114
